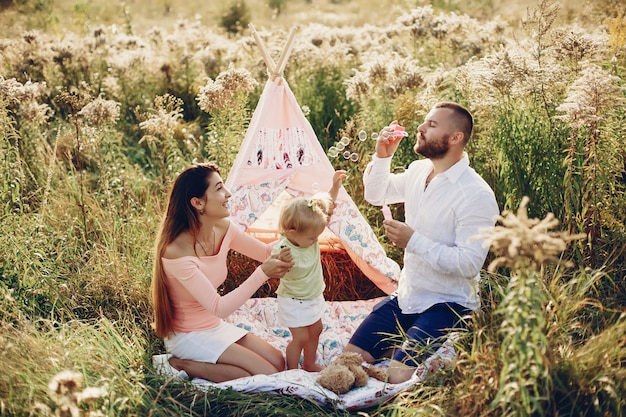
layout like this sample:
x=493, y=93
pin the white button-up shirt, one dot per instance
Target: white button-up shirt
x=441, y=261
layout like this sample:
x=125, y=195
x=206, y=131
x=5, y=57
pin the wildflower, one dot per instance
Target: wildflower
x=378, y=70
x=67, y=394
x=417, y=20
x=596, y=89
x=17, y=92
x=357, y=86
x=66, y=382
x=167, y=112
x=222, y=92
x=576, y=44
x=392, y=74
x=125, y=59
x=31, y=37
x=101, y=111
x=520, y=240
x=35, y=113
x=10, y=89
x=90, y=394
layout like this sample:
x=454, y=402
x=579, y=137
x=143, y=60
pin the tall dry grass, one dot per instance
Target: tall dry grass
x=97, y=120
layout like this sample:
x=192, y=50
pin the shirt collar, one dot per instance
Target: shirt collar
x=455, y=171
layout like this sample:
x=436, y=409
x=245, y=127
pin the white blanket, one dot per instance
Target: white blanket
x=340, y=320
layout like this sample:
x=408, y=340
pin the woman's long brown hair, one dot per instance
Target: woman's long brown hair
x=179, y=217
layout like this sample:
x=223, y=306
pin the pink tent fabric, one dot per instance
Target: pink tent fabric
x=281, y=158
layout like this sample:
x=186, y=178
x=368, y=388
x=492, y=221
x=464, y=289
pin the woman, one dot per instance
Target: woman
x=190, y=264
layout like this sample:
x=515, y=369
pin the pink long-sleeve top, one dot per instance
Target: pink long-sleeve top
x=192, y=282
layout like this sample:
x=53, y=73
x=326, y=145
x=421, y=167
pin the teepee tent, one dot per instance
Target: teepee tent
x=281, y=158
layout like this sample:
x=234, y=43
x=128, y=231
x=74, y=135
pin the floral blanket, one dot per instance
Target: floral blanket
x=340, y=320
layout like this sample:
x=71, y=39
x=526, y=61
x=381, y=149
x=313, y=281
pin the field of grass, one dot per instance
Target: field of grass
x=102, y=103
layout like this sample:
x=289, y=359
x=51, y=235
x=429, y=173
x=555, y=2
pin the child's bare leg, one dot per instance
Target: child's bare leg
x=299, y=337
x=310, y=347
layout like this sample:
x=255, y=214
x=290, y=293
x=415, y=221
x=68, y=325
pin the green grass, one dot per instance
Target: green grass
x=81, y=197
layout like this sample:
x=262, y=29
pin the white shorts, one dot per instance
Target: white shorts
x=204, y=345
x=294, y=312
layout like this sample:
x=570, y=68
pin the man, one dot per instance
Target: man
x=446, y=203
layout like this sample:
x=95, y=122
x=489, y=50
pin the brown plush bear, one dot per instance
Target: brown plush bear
x=347, y=372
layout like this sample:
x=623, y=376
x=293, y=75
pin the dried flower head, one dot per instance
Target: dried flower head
x=101, y=111
x=16, y=92
x=357, y=86
x=75, y=100
x=390, y=74
x=595, y=90
x=166, y=113
x=66, y=382
x=24, y=98
x=90, y=394
x=520, y=242
x=576, y=44
x=226, y=89
x=35, y=113
x=65, y=390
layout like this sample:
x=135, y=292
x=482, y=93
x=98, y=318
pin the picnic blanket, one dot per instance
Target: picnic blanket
x=340, y=320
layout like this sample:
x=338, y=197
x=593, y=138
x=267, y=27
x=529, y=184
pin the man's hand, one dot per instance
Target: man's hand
x=389, y=139
x=399, y=233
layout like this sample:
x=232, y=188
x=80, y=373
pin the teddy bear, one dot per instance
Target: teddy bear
x=347, y=371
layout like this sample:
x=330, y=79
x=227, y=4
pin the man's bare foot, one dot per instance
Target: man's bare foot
x=312, y=368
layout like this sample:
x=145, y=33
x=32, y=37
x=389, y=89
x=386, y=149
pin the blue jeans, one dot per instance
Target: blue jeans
x=413, y=337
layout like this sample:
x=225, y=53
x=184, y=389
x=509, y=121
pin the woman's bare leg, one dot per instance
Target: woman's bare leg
x=215, y=372
x=264, y=349
x=250, y=355
x=246, y=359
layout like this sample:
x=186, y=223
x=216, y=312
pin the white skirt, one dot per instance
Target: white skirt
x=294, y=312
x=204, y=345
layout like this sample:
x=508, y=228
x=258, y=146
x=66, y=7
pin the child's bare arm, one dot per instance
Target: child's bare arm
x=338, y=178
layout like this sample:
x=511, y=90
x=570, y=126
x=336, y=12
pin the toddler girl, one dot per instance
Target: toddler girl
x=301, y=291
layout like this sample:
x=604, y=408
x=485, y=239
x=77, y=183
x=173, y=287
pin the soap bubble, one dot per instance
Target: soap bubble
x=346, y=154
x=375, y=136
x=340, y=146
x=315, y=187
x=354, y=157
x=345, y=140
x=362, y=135
x=307, y=160
x=333, y=152
x=385, y=135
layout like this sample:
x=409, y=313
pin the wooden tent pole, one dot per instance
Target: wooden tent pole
x=282, y=61
x=271, y=66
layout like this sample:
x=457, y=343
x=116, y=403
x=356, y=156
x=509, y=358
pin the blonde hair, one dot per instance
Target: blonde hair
x=301, y=213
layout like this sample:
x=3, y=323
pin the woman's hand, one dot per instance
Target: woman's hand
x=275, y=266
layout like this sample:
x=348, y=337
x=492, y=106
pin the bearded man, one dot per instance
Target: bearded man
x=446, y=203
